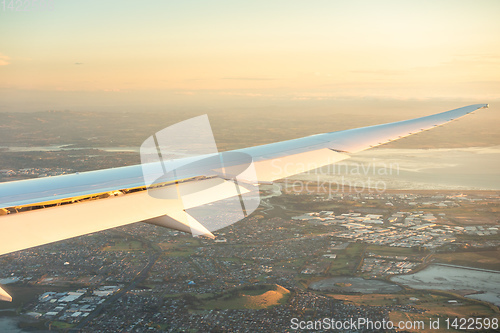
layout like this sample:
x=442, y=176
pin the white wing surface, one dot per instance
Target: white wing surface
x=45, y=210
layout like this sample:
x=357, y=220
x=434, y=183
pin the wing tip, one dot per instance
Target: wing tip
x=481, y=106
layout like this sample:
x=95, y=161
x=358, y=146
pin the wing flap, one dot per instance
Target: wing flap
x=32, y=228
x=4, y=296
x=41, y=226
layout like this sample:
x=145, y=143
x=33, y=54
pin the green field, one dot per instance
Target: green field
x=125, y=246
x=179, y=252
x=61, y=325
x=395, y=251
x=489, y=259
x=348, y=260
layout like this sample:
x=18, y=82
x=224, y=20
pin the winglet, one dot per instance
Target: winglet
x=4, y=296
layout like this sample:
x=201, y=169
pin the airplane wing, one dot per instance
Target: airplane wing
x=40, y=211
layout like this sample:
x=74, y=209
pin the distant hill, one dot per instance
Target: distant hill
x=250, y=297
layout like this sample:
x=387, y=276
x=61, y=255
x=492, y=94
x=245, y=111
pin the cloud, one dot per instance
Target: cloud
x=379, y=72
x=244, y=94
x=4, y=60
x=248, y=78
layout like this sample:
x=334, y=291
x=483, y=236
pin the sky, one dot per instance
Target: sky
x=101, y=55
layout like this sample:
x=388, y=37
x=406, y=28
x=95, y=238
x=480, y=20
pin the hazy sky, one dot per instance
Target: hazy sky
x=196, y=51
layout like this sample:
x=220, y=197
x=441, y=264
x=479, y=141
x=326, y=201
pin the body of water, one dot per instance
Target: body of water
x=67, y=147
x=355, y=284
x=9, y=325
x=473, y=168
x=456, y=278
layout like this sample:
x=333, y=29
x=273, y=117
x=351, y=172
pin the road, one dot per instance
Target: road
x=141, y=276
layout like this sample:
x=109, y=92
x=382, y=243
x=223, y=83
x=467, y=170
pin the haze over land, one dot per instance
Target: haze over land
x=245, y=125
x=267, y=71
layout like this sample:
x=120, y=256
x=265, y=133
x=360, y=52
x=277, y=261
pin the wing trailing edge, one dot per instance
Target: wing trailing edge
x=4, y=296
